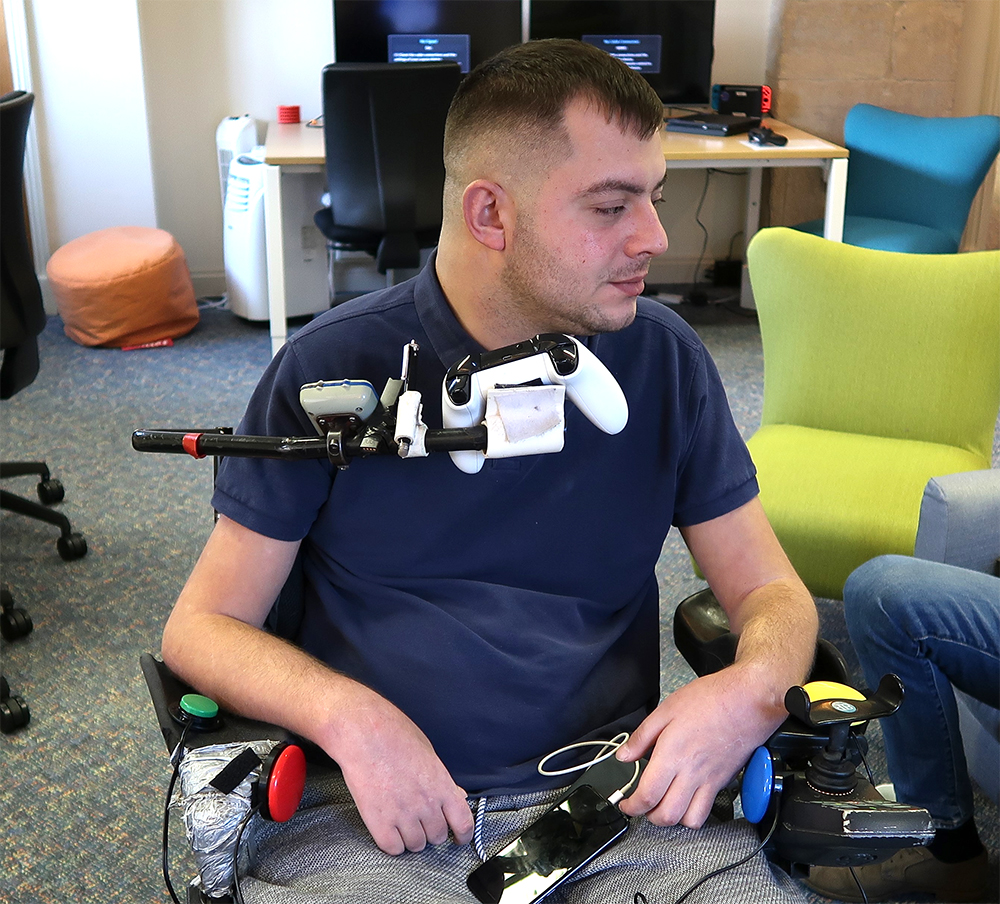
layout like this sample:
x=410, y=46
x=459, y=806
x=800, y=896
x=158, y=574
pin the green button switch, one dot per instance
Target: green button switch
x=199, y=706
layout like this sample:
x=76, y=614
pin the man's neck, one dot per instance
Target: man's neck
x=469, y=282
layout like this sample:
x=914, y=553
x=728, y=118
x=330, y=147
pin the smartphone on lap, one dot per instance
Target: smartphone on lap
x=552, y=849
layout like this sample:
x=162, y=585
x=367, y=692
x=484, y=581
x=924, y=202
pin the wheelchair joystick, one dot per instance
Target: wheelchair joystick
x=825, y=813
x=830, y=770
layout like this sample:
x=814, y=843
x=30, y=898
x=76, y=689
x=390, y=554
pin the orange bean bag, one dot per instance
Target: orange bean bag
x=127, y=285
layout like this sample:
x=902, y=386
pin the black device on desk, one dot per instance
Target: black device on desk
x=718, y=124
x=763, y=135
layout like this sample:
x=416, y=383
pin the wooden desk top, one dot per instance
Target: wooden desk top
x=299, y=144
x=294, y=144
x=688, y=146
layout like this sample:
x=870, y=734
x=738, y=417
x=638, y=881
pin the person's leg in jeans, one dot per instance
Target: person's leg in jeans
x=935, y=626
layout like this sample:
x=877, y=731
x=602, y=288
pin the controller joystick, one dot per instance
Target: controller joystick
x=550, y=359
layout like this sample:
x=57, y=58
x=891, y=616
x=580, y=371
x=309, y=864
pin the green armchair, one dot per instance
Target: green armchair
x=881, y=371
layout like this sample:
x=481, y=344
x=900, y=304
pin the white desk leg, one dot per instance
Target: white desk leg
x=275, y=243
x=836, y=195
x=755, y=177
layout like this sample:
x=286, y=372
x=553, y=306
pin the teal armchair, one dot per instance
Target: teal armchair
x=911, y=179
x=881, y=371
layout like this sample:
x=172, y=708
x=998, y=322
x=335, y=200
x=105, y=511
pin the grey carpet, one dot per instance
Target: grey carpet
x=81, y=789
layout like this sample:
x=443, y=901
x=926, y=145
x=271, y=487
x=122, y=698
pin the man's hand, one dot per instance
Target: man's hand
x=700, y=736
x=403, y=791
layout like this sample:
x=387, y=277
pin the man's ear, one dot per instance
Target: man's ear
x=484, y=206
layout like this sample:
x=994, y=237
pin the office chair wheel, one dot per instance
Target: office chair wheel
x=14, y=713
x=50, y=491
x=14, y=623
x=72, y=546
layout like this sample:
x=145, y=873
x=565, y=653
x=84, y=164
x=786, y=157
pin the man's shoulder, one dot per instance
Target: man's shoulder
x=656, y=331
x=350, y=320
x=365, y=330
x=658, y=319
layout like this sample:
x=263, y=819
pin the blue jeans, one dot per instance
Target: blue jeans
x=934, y=626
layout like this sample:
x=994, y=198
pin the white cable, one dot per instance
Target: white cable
x=608, y=749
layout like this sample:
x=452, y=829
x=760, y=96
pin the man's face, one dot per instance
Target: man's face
x=585, y=234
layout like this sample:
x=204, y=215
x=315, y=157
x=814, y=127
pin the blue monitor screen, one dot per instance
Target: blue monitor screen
x=363, y=28
x=429, y=49
x=638, y=52
x=685, y=28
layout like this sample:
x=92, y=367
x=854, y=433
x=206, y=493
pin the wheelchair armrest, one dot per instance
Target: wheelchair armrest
x=703, y=638
x=166, y=690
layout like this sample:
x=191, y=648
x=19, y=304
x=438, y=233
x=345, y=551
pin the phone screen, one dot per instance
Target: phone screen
x=551, y=849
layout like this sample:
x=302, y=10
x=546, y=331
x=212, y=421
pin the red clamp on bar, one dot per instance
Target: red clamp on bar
x=190, y=444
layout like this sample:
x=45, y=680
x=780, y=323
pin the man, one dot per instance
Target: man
x=458, y=627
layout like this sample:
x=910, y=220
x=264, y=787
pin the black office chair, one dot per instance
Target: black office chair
x=383, y=134
x=22, y=318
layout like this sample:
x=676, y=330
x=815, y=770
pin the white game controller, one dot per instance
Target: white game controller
x=548, y=359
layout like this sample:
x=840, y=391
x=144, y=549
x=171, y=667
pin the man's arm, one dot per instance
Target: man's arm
x=213, y=640
x=703, y=733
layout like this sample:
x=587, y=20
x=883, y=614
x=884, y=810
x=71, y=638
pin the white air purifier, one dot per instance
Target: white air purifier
x=244, y=249
x=243, y=243
x=235, y=135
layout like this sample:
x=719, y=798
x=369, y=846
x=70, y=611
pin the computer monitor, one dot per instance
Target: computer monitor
x=669, y=41
x=467, y=31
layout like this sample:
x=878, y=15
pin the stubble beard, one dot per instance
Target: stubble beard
x=533, y=295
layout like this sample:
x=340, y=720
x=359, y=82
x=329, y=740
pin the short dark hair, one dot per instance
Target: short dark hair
x=525, y=89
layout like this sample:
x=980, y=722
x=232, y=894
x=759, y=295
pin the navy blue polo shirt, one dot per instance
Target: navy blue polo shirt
x=512, y=611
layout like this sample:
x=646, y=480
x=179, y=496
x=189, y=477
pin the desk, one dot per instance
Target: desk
x=682, y=150
x=288, y=150
x=299, y=149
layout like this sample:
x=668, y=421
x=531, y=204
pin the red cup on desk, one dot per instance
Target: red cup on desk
x=289, y=114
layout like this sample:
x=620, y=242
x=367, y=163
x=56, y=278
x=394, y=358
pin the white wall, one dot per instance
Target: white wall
x=204, y=60
x=130, y=93
x=91, y=116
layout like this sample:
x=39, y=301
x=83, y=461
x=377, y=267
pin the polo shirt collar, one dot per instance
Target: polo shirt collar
x=447, y=336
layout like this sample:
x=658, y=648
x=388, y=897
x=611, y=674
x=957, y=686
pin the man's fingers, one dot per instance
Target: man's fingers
x=652, y=788
x=435, y=829
x=389, y=841
x=460, y=819
x=413, y=835
x=700, y=807
x=641, y=741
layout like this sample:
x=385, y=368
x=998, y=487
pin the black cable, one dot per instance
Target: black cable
x=640, y=898
x=165, y=859
x=237, y=890
x=738, y=232
x=864, y=759
x=695, y=295
x=740, y=862
x=857, y=882
x=165, y=863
